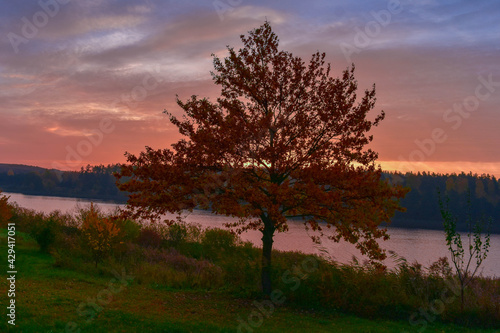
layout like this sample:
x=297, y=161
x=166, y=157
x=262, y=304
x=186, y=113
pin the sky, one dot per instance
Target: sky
x=82, y=82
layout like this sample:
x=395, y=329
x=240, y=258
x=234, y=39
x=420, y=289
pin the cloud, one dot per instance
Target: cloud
x=127, y=60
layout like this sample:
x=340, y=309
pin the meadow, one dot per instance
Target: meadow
x=93, y=272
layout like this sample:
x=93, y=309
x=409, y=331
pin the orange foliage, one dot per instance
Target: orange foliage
x=101, y=233
x=5, y=210
x=284, y=140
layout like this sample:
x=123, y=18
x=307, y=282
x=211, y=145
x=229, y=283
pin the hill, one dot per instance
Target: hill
x=15, y=169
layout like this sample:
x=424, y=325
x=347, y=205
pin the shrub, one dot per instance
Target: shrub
x=176, y=234
x=101, y=234
x=46, y=237
x=66, y=225
x=43, y=229
x=5, y=210
x=46, y=229
x=130, y=230
x=149, y=237
x=217, y=241
x=466, y=263
x=440, y=268
x=23, y=218
x=194, y=232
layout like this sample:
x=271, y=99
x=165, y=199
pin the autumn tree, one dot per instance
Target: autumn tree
x=283, y=140
x=5, y=210
x=101, y=234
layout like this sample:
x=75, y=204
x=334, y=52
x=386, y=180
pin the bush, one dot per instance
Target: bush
x=130, y=230
x=149, y=237
x=46, y=229
x=46, y=237
x=101, y=234
x=176, y=234
x=43, y=230
x=5, y=210
x=194, y=232
x=217, y=241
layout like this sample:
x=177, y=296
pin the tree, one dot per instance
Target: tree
x=477, y=246
x=101, y=234
x=5, y=210
x=283, y=140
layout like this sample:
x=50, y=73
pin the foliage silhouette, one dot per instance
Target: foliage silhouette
x=5, y=210
x=97, y=183
x=284, y=140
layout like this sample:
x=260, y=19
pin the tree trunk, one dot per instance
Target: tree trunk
x=462, y=298
x=267, y=246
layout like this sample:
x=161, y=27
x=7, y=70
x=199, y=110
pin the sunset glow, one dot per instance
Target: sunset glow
x=82, y=82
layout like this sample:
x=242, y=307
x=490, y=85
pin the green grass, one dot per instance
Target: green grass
x=48, y=298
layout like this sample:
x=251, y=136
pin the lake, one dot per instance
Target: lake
x=424, y=246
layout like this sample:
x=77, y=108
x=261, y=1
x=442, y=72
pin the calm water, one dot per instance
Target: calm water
x=424, y=246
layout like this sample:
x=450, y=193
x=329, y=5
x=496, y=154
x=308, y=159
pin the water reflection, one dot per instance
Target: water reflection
x=424, y=246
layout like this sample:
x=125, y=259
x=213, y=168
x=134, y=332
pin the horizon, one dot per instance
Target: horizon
x=83, y=82
x=384, y=171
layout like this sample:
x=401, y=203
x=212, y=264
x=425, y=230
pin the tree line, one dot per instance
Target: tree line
x=421, y=203
x=91, y=182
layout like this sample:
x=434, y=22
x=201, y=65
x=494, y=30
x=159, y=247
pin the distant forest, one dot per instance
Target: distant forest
x=91, y=182
x=421, y=203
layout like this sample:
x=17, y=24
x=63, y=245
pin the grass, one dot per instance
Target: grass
x=49, y=298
